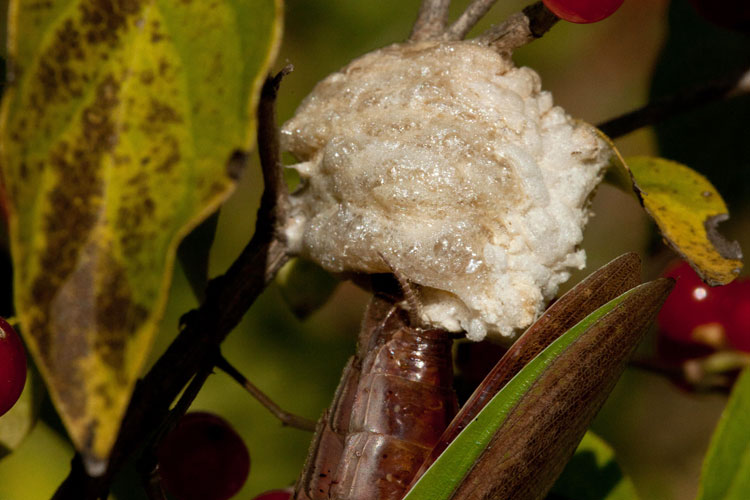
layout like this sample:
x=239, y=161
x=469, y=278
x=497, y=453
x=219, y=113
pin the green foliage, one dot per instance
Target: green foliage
x=194, y=252
x=593, y=474
x=711, y=139
x=20, y=420
x=726, y=470
x=305, y=286
x=117, y=135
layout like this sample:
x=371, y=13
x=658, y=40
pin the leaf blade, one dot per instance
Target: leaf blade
x=489, y=446
x=726, y=469
x=601, y=286
x=686, y=208
x=21, y=419
x=593, y=474
x=116, y=137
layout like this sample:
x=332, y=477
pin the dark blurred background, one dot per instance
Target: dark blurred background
x=648, y=48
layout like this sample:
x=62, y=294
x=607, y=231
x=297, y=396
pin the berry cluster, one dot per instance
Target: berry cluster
x=12, y=366
x=696, y=313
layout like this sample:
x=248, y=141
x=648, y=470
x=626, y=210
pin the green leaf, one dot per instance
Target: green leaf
x=687, y=209
x=116, y=136
x=305, y=286
x=194, y=253
x=20, y=420
x=518, y=444
x=726, y=470
x=711, y=139
x=593, y=474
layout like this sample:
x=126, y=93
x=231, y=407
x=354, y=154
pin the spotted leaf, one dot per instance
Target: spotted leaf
x=686, y=207
x=120, y=131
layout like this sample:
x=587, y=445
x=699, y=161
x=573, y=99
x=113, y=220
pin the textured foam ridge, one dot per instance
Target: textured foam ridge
x=448, y=163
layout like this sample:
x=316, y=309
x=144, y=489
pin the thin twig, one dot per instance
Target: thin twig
x=720, y=383
x=286, y=418
x=152, y=484
x=148, y=464
x=228, y=297
x=519, y=29
x=468, y=19
x=431, y=20
x=732, y=85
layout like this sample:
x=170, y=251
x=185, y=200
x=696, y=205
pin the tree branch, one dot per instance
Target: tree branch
x=519, y=29
x=228, y=297
x=431, y=20
x=286, y=418
x=148, y=464
x=732, y=85
x=468, y=19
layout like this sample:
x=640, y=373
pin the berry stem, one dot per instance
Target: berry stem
x=519, y=29
x=696, y=374
x=731, y=85
x=284, y=416
x=152, y=483
x=431, y=20
x=147, y=464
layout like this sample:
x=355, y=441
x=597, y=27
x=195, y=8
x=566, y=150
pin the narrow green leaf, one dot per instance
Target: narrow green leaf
x=726, y=470
x=520, y=441
x=194, y=253
x=116, y=138
x=593, y=474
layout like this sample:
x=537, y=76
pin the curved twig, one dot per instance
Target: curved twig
x=519, y=29
x=284, y=416
x=148, y=465
x=431, y=20
x=732, y=85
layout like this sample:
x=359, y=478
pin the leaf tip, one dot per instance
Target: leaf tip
x=95, y=466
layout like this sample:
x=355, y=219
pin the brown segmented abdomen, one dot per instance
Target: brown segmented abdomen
x=381, y=428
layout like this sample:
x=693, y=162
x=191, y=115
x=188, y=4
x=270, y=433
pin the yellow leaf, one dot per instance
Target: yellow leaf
x=687, y=209
x=116, y=136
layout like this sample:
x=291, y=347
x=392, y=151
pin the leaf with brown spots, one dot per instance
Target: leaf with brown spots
x=686, y=207
x=116, y=133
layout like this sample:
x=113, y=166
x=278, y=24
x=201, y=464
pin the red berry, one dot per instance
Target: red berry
x=583, y=11
x=203, y=458
x=12, y=366
x=694, y=312
x=275, y=495
x=737, y=320
x=732, y=14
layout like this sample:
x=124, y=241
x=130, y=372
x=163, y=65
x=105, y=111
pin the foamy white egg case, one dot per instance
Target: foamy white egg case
x=448, y=163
